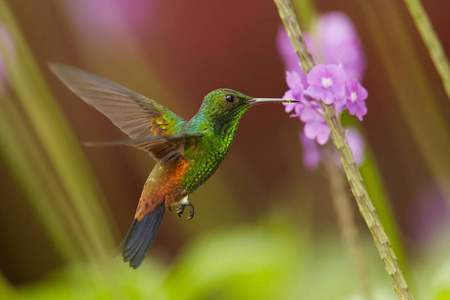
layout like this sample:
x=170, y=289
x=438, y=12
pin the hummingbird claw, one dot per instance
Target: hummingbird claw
x=181, y=208
x=191, y=212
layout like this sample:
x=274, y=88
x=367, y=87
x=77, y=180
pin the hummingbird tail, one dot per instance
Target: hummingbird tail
x=141, y=236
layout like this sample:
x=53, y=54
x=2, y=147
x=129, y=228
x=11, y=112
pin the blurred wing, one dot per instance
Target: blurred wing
x=164, y=149
x=134, y=114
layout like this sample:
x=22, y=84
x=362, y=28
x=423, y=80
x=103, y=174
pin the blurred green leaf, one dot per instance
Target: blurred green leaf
x=381, y=202
x=6, y=291
x=252, y=262
x=84, y=281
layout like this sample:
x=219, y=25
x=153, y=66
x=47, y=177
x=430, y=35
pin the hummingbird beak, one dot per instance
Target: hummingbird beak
x=255, y=101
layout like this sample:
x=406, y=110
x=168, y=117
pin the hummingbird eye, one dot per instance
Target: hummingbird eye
x=230, y=98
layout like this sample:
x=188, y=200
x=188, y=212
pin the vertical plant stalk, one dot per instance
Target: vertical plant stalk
x=349, y=230
x=57, y=140
x=431, y=41
x=28, y=165
x=424, y=119
x=352, y=173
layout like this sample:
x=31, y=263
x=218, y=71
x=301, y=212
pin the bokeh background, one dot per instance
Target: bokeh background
x=264, y=227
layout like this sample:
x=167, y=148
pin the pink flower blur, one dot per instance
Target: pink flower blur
x=103, y=21
x=334, y=41
x=338, y=40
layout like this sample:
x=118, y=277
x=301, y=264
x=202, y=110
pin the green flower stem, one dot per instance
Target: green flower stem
x=350, y=235
x=307, y=12
x=431, y=41
x=365, y=205
x=352, y=173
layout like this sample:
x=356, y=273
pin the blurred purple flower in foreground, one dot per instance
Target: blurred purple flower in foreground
x=334, y=41
x=103, y=21
x=288, y=54
x=335, y=44
x=430, y=214
x=338, y=41
x=311, y=152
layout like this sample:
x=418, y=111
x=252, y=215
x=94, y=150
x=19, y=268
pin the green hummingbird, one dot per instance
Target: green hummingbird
x=187, y=152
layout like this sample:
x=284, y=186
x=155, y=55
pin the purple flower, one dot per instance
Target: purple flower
x=356, y=96
x=315, y=125
x=326, y=82
x=336, y=39
x=295, y=91
x=311, y=152
x=357, y=145
x=335, y=44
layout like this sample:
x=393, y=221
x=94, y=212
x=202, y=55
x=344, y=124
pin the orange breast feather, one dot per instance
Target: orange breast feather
x=162, y=186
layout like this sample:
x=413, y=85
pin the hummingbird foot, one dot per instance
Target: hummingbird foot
x=182, y=206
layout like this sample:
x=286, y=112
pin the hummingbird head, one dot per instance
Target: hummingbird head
x=224, y=105
x=228, y=106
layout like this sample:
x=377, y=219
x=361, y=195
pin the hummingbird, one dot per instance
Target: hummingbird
x=187, y=152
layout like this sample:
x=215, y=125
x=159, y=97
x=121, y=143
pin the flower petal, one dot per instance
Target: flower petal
x=362, y=92
x=336, y=73
x=323, y=134
x=298, y=110
x=315, y=91
x=315, y=75
x=294, y=81
x=311, y=130
x=327, y=97
x=289, y=95
x=338, y=90
x=288, y=107
x=310, y=115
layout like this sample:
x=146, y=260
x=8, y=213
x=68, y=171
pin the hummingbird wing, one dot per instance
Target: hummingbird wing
x=134, y=114
x=164, y=149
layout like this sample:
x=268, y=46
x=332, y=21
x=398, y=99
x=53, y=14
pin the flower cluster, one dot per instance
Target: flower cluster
x=334, y=82
x=329, y=84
